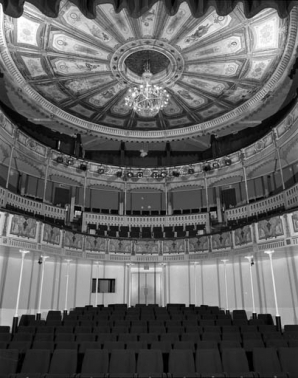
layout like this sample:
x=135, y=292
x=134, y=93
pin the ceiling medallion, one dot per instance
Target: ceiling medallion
x=147, y=99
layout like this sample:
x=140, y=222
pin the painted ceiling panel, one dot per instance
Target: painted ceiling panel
x=210, y=66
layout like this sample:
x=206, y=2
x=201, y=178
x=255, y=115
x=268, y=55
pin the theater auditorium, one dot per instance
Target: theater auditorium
x=148, y=188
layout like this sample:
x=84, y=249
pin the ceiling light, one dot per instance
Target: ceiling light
x=163, y=174
x=191, y=171
x=215, y=165
x=129, y=174
x=100, y=171
x=154, y=174
x=228, y=162
x=140, y=174
x=147, y=99
x=176, y=173
x=59, y=159
x=83, y=167
x=119, y=174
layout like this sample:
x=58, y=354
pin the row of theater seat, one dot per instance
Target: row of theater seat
x=231, y=362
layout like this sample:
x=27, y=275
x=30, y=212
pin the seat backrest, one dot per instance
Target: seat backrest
x=181, y=362
x=150, y=362
x=122, y=361
x=8, y=361
x=208, y=361
x=265, y=361
x=234, y=361
x=64, y=361
x=289, y=361
x=95, y=361
x=36, y=361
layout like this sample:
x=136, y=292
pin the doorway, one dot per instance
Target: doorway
x=146, y=287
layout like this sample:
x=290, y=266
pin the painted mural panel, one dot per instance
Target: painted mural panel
x=114, y=121
x=175, y=23
x=34, y=66
x=178, y=121
x=106, y=95
x=51, y=234
x=192, y=99
x=211, y=111
x=76, y=67
x=210, y=86
x=23, y=227
x=258, y=68
x=228, y=46
x=120, y=108
x=68, y=45
x=93, y=243
x=27, y=31
x=294, y=221
x=80, y=86
x=73, y=240
x=228, y=68
x=266, y=33
x=210, y=25
x=243, y=236
x=148, y=21
x=221, y=241
x=200, y=244
x=146, y=247
x=120, y=246
x=52, y=91
x=173, y=246
x=172, y=108
x=270, y=228
x=76, y=19
x=118, y=21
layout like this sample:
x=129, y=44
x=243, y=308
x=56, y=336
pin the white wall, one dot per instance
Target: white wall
x=179, y=278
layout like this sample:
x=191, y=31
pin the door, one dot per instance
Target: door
x=145, y=288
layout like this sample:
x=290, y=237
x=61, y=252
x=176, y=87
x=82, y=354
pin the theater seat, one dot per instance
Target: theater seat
x=8, y=362
x=266, y=363
x=150, y=363
x=181, y=363
x=95, y=363
x=122, y=363
x=235, y=363
x=289, y=361
x=208, y=363
x=63, y=363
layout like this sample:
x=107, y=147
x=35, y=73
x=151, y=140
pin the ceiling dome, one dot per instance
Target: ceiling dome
x=217, y=69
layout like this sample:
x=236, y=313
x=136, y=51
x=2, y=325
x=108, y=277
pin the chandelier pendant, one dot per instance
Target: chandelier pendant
x=147, y=99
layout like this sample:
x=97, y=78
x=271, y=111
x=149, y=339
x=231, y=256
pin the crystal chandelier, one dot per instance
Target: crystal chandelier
x=147, y=99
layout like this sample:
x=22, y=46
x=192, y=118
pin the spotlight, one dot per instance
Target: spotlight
x=69, y=162
x=100, y=171
x=228, y=162
x=59, y=159
x=140, y=174
x=215, y=165
x=83, y=167
x=39, y=260
x=119, y=174
x=176, y=173
x=191, y=171
x=129, y=174
x=163, y=174
x=154, y=174
x=207, y=168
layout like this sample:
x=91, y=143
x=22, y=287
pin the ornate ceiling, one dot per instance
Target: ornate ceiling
x=217, y=69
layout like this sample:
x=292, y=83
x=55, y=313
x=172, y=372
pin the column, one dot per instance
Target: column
x=128, y=284
x=195, y=283
x=251, y=263
x=274, y=134
x=206, y=189
x=66, y=286
x=42, y=261
x=218, y=204
x=226, y=285
x=277, y=316
x=46, y=175
x=9, y=165
x=16, y=316
x=85, y=189
x=125, y=199
x=96, y=286
x=242, y=158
